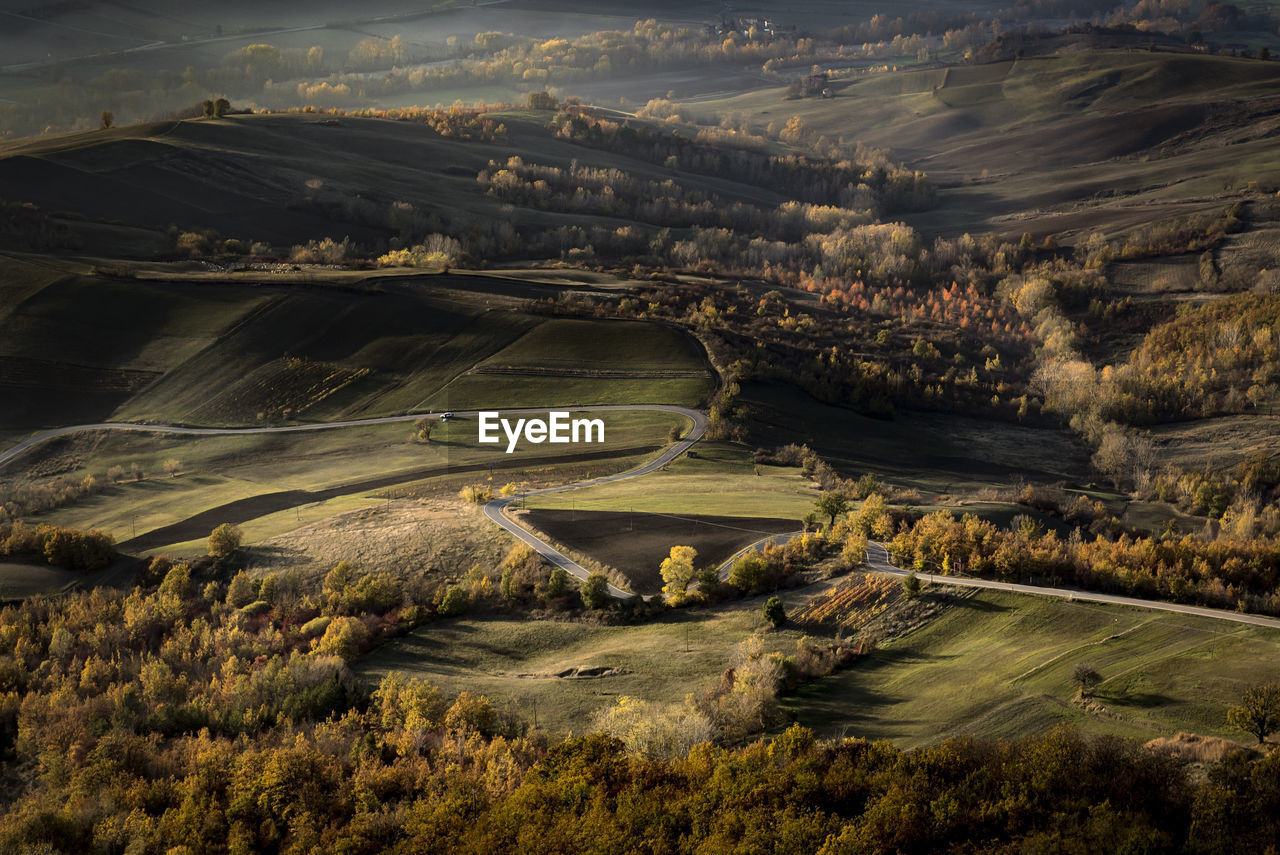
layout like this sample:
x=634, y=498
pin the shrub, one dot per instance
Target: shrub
x=456, y=601
x=224, y=540
x=595, y=591
x=774, y=612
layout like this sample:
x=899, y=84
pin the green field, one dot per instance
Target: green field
x=220, y=469
x=999, y=665
x=721, y=481
x=80, y=349
x=990, y=665
x=516, y=660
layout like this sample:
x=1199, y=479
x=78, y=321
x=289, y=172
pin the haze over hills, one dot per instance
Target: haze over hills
x=928, y=361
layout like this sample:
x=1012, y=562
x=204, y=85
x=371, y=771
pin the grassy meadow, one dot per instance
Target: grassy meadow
x=1058, y=143
x=215, y=470
x=660, y=660
x=720, y=481
x=998, y=665
x=233, y=353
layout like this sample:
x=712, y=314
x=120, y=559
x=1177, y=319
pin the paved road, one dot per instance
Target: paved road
x=45, y=436
x=723, y=572
x=494, y=509
x=877, y=554
x=878, y=560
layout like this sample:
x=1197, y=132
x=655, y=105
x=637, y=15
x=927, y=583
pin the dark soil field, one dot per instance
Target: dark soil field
x=636, y=543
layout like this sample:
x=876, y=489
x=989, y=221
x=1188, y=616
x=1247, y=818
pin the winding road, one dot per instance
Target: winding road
x=495, y=509
x=878, y=559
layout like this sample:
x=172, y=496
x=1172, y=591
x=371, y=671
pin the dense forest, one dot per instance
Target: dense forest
x=173, y=720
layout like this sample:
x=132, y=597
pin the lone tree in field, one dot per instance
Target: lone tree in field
x=774, y=613
x=833, y=503
x=1259, y=711
x=425, y=426
x=677, y=570
x=224, y=540
x=1084, y=676
x=172, y=467
x=108, y=119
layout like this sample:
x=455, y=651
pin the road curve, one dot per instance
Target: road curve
x=877, y=555
x=494, y=510
x=777, y=539
x=878, y=560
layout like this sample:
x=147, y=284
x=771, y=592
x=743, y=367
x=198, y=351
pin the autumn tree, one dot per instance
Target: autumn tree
x=833, y=503
x=456, y=601
x=343, y=638
x=677, y=571
x=224, y=540
x=424, y=427
x=557, y=583
x=108, y=119
x=1259, y=711
x=542, y=101
x=242, y=590
x=750, y=571
x=471, y=713
x=653, y=730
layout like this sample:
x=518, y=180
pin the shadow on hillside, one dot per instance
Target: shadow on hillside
x=975, y=604
x=1146, y=700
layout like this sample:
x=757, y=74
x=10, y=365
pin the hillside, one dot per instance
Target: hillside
x=1057, y=143
x=334, y=177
